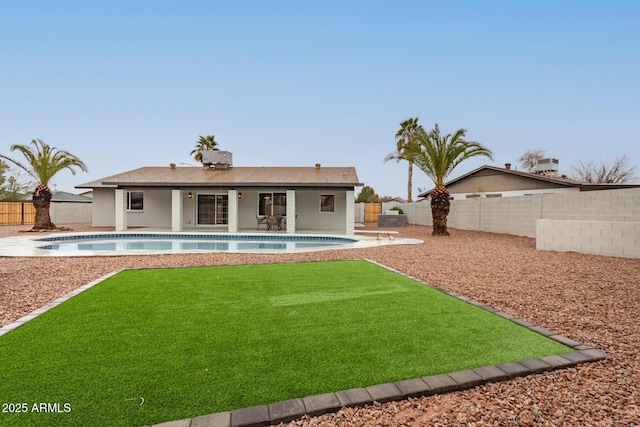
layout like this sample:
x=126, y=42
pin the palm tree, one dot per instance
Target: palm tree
x=437, y=156
x=43, y=163
x=204, y=143
x=405, y=137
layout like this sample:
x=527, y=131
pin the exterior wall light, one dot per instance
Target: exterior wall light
x=240, y=196
x=190, y=195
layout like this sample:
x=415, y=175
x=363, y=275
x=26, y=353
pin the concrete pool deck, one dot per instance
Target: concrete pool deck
x=29, y=244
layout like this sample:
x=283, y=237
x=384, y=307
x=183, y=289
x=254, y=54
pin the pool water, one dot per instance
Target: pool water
x=171, y=243
x=183, y=246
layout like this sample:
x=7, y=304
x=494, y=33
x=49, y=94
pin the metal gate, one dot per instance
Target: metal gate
x=371, y=212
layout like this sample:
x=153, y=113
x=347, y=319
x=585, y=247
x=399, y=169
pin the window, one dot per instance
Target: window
x=213, y=209
x=135, y=201
x=327, y=203
x=272, y=204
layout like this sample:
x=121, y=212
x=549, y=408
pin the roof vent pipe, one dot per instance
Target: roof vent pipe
x=317, y=165
x=507, y=166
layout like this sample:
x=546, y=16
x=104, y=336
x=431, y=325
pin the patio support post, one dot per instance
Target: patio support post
x=350, y=212
x=232, y=211
x=176, y=210
x=291, y=211
x=121, y=209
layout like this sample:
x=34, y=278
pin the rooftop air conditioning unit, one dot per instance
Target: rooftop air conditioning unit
x=546, y=165
x=217, y=159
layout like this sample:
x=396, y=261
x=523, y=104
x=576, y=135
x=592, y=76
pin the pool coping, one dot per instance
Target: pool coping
x=293, y=409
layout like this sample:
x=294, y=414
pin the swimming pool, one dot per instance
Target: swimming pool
x=159, y=242
x=146, y=243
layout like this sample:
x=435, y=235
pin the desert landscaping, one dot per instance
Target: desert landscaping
x=591, y=299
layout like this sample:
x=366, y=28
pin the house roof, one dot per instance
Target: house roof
x=234, y=176
x=63, y=196
x=554, y=181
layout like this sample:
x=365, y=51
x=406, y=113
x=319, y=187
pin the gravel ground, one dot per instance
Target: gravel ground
x=591, y=299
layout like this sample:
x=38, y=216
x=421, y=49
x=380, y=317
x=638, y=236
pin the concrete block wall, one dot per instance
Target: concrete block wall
x=510, y=215
x=518, y=215
x=464, y=214
x=68, y=212
x=607, y=205
x=417, y=213
x=612, y=238
x=587, y=211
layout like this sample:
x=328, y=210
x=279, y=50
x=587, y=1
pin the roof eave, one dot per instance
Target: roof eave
x=226, y=184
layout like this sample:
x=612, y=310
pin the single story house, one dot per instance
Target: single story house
x=227, y=198
x=492, y=181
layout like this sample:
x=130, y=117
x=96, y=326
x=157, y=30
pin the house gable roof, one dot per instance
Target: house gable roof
x=234, y=176
x=63, y=196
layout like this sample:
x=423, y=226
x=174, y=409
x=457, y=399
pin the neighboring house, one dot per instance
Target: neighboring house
x=396, y=200
x=64, y=197
x=492, y=181
x=223, y=197
x=65, y=208
x=70, y=208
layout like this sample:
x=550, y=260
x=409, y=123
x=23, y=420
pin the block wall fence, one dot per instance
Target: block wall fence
x=614, y=215
x=68, y=212
x=12, y=213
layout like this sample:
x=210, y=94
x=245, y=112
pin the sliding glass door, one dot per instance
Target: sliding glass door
x=213, y=209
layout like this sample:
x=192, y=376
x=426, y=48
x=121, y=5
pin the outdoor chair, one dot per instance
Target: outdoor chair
x=261, y=219
x=273, y=223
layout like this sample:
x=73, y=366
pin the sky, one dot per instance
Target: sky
x=125, y=84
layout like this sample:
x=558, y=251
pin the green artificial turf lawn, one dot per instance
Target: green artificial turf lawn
x=193, y=341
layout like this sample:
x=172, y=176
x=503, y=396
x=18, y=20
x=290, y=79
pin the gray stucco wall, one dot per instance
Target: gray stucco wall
x=156, y=213
x=157, y=209
x=309, y=215
x=103, y=214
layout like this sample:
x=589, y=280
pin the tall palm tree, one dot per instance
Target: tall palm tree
x=437, y=156
x=204, y=143
x=43, y=163
x=405, y=137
